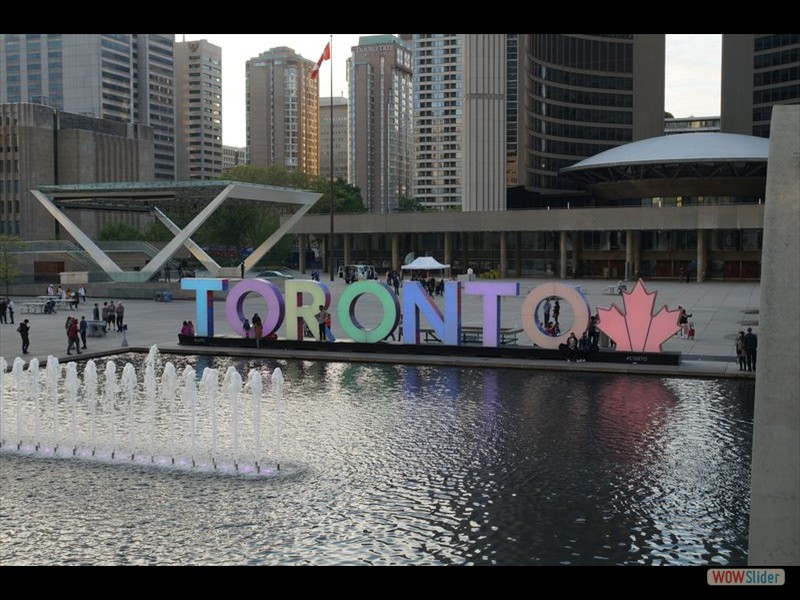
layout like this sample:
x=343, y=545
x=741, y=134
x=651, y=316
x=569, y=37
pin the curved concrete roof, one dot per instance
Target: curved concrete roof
x=683, y=148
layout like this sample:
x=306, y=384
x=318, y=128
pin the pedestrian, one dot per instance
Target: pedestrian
x=556, y=311
x=120, y=315
x=241, y=269
x=322, y=317
x=166, y=273
x=246, y=327
x=750, y=348
x=572, y=347
x=50, y=291
x=547, y=308
x=96, y=312
x=112, y=315
x=72, y=335
x=3, y=307
x=681, y=275
x=10, y=304
x=82, y=330
x=82, y=294
x=24, y=331
x=741, y=355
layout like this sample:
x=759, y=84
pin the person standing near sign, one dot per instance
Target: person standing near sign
x=322, y=317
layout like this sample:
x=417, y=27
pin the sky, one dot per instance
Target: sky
x=692, y=85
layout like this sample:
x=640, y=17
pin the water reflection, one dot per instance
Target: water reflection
x=395, y=464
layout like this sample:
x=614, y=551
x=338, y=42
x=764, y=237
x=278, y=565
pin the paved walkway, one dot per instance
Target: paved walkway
x=718, y=310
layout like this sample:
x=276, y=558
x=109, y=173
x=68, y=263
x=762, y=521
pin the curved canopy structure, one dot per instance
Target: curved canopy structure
x=695, y=164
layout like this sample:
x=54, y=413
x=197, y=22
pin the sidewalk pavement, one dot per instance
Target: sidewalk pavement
x=718, y=309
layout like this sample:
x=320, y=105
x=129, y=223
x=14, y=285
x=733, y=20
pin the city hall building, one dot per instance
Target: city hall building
x=660, y=207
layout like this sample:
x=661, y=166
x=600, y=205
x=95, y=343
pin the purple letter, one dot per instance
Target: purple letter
x=234, y=305
x=491, y=292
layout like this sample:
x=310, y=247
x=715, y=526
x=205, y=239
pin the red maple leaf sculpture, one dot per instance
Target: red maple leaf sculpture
x=638, y=329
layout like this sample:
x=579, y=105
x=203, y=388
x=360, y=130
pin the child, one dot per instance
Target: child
x=690, y=332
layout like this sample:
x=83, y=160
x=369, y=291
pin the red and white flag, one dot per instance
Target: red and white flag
x=326, y=54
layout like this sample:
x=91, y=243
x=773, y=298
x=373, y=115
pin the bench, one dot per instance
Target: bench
x=474, y=335
x=66, y=304
x=32, y=307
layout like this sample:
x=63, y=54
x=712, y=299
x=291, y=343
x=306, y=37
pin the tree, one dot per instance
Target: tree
x=117, y=232
x=406, y=204
x=668, y=115
x=9, y=246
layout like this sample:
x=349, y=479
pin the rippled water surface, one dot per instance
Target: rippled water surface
x=421, y=465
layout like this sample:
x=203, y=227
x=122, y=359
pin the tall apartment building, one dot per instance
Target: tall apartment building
x=438, y=119
x=120, y=77
x=381, y=118
x=43, y=145
x=338, y=129
x=234, y=156
x=759, y=70
x=198, y=110
x=587, y=94
x=282, y=111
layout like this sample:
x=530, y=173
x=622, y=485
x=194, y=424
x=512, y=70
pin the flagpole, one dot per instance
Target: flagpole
x=331, y=149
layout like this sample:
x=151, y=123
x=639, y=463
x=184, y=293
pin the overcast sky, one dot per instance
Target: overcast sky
x=692, y=71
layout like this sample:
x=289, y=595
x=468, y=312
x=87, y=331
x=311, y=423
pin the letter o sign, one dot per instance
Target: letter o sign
x=578, y=302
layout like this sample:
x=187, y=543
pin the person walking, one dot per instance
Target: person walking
x=3, y=307
x=72, y=336
x=24, y=330
x=96, y=312
x=556, y=311
x=82, y=330
x=10, y=304
x=82, y=294
x=750, y=348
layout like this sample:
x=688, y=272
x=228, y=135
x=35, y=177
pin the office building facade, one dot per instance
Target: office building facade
x=282, y=111
x=380, y=122
x=47, y=146
x=587, y=94
x=759, y=70
x=234, y=156
x=198, y=109
x=338, y=129
x=119, y=77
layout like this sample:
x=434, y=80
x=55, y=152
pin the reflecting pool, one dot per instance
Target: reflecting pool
x=418, y=465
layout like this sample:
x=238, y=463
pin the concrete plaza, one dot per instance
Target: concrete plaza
x=718, y=311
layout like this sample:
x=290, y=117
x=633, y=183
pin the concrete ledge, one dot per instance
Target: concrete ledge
x=463, y=351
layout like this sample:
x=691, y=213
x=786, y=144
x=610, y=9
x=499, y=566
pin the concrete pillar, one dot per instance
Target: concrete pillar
x=448, y=247
x=347, y=238
x=518, y=253
x=702, y=255
x=414, y=243
x=629, y=272
x=775, y=480
x=396, y=251
x=368, y=246
x=562, y=259
x=576, y=251
x=464, y=253
x=503, y=255
x=301, y=252
x=637, y=252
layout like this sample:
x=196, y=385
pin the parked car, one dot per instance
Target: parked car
x=273, y=275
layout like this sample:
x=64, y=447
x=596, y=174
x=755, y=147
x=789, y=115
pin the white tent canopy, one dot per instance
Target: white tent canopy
x=425, y=263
